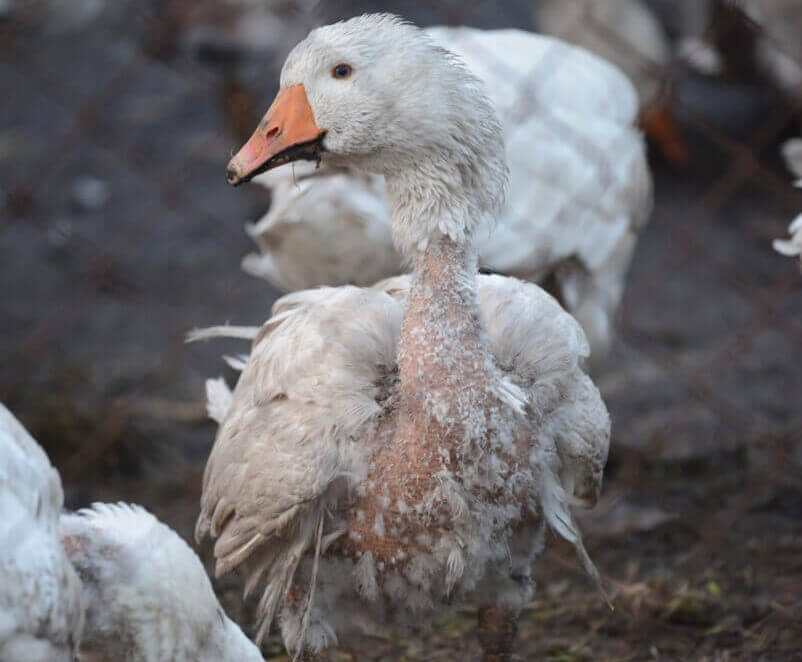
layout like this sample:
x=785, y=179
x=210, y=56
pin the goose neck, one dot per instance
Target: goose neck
x=443, y=354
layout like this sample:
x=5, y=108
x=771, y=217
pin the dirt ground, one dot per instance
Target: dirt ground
x=119, y=235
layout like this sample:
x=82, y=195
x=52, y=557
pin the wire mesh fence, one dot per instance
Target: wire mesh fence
x=119, y=235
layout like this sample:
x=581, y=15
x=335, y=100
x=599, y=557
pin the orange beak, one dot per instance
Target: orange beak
x=286, y=133
x=658, y=125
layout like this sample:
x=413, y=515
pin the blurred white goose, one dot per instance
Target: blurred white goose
x=41, y=607
x=792, y=152
x=627, y=34
x=388, y=452
x=580, y=188
x=54, y=17
x=143, y=593
x=779, y=50
x=238, y=27
x=778, y=26
x=148, y=596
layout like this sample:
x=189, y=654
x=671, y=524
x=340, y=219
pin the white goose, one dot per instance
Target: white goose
x=148, y=596
x=792, y=152
x=580, y=188
x=779, y=50
x=628, y=34
x=143, y=593
x=41, y=604
x=391, y=451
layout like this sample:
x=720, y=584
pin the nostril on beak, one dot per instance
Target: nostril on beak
x=231, y=175
x=272, y=133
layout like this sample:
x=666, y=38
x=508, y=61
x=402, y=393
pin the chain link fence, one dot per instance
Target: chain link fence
x=119, y=235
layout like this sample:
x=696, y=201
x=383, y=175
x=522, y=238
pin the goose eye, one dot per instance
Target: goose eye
x=341, y=71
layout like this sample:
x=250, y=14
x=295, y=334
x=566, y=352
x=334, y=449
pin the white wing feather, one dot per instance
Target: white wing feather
x=41, y=608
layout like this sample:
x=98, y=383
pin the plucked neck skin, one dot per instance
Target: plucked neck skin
x=448, y=177
x=443, y=355
x=445, y=366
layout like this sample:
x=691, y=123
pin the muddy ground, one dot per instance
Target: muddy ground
x=119, y=235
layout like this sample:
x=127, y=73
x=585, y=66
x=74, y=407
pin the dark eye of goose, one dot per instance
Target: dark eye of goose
x=341, y=71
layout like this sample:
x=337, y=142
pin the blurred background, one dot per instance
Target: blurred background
x=119, y=235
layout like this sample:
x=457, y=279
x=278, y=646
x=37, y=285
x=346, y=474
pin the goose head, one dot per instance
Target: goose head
x=377, y=94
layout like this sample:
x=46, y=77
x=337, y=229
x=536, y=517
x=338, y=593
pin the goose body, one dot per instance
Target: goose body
x=573, y=211
x=779, y=50
x=41, y=604
x=148, y=596
x=313, y=407
x=792, y=152
x=390, y=451
x=105, y=584
x=624, y=32
x=628, y=34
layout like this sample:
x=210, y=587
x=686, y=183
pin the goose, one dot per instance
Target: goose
x=147, y=593
x=54, y=17
x=792, y=153
x=773, y=25
x=628, y=34
x=779, y=49
x=41, y=602
x=392, y=451
x=574, y=211
x=107, y=583
x=234, y=29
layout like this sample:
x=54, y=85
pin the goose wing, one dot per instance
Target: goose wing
x=288, y=444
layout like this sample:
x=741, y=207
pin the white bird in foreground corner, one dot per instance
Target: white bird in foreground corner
x=392, y=451
x=580, y=187
x=792, y=152
x=143, y=592
x=148, y=596
x=41, y=603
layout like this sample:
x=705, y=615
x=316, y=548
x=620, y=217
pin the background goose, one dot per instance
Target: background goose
x=779, y=50
x=580, y=188
x=792, y=152
x=140, y=593
x=380, y=460
x=41, y=607
x=628, y=34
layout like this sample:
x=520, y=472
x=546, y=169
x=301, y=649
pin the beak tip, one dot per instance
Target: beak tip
x=232, y=175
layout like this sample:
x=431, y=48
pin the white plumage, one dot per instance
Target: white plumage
x=580, y=188
x=792, y=152
x=321, y=376
x=41, y=608
x=148, y=596
x=779, y=49
x=105, y=584
x=624, y=32
x=389, y=451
